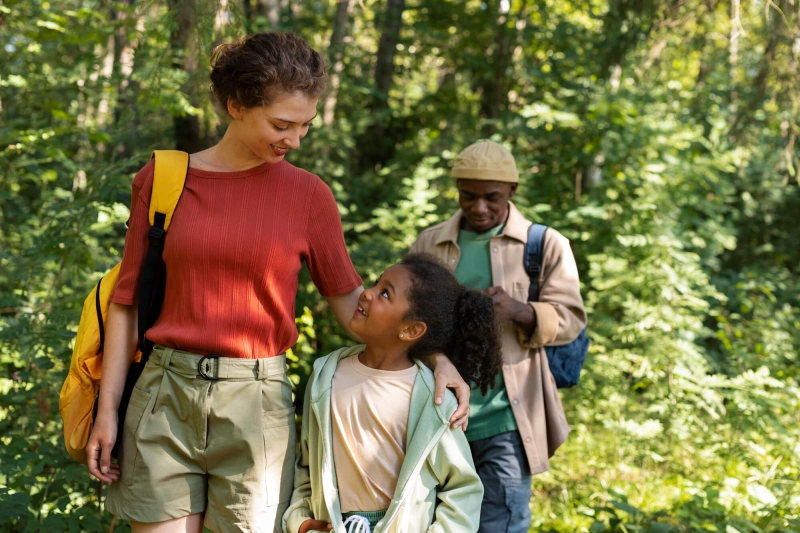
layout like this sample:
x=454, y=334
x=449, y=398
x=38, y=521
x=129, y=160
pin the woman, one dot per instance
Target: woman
x=220, y=451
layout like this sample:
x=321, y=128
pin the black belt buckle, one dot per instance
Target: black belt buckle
x=200, y=367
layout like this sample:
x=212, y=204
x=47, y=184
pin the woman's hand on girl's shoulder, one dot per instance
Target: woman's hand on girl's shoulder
x=447, y=377
x=314, y=525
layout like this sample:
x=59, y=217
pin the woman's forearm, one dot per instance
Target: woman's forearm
x=344, y=306
x=118, y=352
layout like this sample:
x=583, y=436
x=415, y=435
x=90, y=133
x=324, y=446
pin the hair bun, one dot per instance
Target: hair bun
x=221, y=53
x=254, y=70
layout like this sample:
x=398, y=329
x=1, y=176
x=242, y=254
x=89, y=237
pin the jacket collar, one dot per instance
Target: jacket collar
x=424, y=385
x=516, y=226
x=322, y=384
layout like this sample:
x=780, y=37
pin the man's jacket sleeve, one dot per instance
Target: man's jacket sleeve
x=415, y=248
x=560, y=316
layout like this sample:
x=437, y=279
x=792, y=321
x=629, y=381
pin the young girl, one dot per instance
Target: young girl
x=376, y=454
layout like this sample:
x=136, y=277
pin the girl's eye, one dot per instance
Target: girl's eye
x=385, y=293
x=280, y=129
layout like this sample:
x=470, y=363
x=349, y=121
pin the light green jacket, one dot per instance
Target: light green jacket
x=438, y=490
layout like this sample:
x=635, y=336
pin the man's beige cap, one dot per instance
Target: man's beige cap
x=486, y=160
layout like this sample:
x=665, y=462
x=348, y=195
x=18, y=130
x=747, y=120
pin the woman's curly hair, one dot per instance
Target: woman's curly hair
x=461, y=322
x=258, y=68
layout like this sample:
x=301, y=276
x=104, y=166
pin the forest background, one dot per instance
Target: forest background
x=660, y=136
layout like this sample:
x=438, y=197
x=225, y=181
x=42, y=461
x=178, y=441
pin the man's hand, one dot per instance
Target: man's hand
x=447, y=377
x=314, y=525
x=507, y=308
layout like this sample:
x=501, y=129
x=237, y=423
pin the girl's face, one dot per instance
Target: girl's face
x=381, y=311
x=271, y=131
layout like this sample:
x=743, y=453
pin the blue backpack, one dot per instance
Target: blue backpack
x=565, y=361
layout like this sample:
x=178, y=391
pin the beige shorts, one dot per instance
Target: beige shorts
x=192, y=445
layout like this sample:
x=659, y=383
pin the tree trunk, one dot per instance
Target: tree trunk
x=387, y=49
x=494, y=93
x=293, y=12
x=247, y=11
x=336, y=53
x=184, y=57
x=2, y=23
x=736, y=31
x=743, y=115
x=122, y=72
x=271, y=9
x=377, y=146
x=625, y=23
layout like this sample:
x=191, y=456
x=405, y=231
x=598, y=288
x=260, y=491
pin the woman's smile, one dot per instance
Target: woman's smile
x=278, y=151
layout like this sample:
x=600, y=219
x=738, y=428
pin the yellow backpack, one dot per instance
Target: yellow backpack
x=77, y=401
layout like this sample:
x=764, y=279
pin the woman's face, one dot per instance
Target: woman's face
x=381, y=311
x=271, y=131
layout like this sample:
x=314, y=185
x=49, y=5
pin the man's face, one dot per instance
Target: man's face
x=484, y=203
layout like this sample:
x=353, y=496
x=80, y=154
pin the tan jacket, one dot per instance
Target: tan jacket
x=560, y=318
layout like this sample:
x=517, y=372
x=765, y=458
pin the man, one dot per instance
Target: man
x=518, y=425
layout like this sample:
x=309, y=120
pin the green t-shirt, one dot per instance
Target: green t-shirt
x=490, y=414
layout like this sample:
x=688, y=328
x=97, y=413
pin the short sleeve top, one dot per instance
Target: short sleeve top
x=233, y=253
x=368, y=432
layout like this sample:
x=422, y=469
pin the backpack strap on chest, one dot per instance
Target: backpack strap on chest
x=534, y=250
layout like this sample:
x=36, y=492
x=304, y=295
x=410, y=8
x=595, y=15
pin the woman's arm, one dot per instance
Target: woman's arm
x=118, y=352
x=344, y=306
x=560, y=314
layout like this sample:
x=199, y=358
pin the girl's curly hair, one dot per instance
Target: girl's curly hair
x=461, y=322
x=258, y=68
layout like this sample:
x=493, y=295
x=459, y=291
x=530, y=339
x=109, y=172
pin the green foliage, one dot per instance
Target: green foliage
x=655, y=135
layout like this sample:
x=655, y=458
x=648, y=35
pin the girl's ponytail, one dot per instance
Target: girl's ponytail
x=460, y=321
x=476, y=349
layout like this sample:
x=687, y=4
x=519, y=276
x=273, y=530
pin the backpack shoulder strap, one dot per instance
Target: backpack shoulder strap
x=534, y=249
x=169, y=177
x=172, y=166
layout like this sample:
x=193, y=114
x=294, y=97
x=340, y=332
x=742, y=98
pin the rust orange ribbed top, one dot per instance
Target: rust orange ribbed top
x=233, y=253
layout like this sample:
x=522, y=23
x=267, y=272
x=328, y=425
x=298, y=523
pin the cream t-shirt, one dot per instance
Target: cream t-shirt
x=369, y=415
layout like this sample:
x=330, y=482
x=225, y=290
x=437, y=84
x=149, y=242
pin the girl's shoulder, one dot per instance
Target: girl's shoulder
x=424, y=373
x=320, y=362
x=427, y=380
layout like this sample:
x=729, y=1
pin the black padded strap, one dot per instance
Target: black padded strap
x=148, y=304
x=100, y=325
